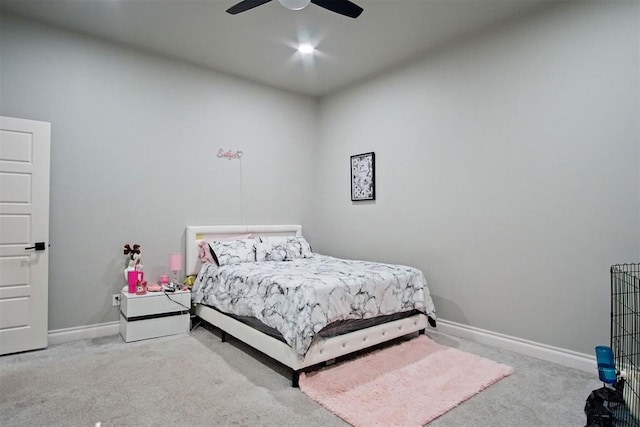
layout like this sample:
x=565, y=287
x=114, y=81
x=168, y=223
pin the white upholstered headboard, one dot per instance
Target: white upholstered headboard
x=196, y=233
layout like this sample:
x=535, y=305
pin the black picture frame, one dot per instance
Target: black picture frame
x=363, y=177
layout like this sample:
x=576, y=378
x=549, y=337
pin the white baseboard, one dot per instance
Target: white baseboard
x=561, y=356
x=59, y=336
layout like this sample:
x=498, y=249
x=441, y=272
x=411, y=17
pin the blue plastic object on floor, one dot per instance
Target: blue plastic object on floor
x=606, y=366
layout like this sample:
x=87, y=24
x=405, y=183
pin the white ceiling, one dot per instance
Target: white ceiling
x=259, y=45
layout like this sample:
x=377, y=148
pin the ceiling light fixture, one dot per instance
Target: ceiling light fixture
x=305, y=48
x=295, y=4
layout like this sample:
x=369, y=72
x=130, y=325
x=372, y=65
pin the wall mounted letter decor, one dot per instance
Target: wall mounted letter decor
x=363, y=177
x=229, y=154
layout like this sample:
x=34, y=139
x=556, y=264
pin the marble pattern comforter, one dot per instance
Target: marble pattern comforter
x=300, y=297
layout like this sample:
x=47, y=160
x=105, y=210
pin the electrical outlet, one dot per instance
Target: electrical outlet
x=115, y=299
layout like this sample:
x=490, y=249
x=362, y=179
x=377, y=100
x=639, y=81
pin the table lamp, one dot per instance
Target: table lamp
x=175, y=265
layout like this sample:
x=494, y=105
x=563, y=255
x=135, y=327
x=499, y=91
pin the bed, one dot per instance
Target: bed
x=315, y=322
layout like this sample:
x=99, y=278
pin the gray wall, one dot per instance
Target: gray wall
x=133, y=157
x=507, y=165
x=507, y=170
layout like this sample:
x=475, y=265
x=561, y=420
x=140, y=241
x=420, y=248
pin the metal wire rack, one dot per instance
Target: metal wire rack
x=625, y=338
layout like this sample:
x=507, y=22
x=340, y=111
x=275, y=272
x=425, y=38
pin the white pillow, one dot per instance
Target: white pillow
x=305, y=247
x=272, y=251
x=282, y=248
x=234, y=251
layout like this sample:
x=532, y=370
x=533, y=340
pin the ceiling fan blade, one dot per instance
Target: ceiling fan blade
x=343, y=7
x=245, y=5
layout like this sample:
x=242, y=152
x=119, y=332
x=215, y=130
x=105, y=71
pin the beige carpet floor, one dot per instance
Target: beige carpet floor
x=196, y=380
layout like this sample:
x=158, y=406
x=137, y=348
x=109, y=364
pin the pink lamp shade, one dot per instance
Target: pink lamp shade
x=175, y=262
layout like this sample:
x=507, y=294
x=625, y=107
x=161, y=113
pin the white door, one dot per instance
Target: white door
x=24, y=234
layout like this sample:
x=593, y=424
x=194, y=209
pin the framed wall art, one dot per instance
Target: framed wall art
x=363, y=177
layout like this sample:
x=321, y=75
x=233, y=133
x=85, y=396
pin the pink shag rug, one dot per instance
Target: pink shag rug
x=409, y=384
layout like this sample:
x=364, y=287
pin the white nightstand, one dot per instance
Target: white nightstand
x=154, y=314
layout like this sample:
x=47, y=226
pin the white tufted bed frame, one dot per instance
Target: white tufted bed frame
x=322, y=350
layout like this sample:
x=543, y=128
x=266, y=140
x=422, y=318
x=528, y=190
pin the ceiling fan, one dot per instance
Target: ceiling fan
x=343, y=7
